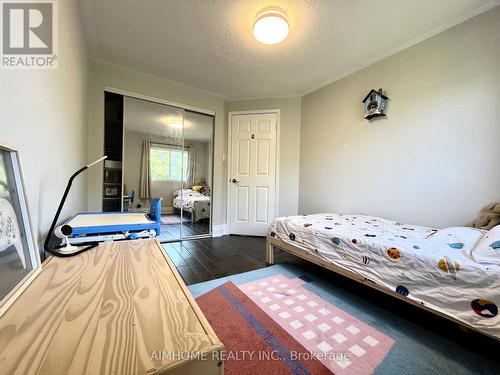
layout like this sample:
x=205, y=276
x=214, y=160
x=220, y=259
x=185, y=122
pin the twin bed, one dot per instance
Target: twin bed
x=453, y=272
x=193, y=202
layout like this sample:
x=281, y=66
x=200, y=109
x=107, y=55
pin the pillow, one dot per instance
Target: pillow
x=205, y=190
x=197, y=188
x=488, y=249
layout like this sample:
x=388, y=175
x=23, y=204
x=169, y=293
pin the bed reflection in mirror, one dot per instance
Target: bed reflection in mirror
x=167, y=153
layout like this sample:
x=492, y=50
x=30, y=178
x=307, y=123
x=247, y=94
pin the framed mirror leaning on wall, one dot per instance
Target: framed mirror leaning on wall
x=19, y=257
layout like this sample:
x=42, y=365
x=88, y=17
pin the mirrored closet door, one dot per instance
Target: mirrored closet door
x=196, y=206
x=166, y=153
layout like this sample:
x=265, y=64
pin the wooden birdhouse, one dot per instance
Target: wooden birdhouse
x=375, y=104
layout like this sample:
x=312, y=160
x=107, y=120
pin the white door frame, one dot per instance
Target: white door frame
x=229, y=152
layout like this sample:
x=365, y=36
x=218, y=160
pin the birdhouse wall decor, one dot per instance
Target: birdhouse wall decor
x=375, y=104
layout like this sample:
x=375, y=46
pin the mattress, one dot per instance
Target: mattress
x=433, y=267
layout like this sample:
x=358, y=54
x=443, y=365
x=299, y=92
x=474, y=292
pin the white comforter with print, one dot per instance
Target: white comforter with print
x=188, y=199
x=435, y=267
x=196, y=203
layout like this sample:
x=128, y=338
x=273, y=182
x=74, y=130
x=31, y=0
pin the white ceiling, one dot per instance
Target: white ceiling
x=208, y=43
x=141, y=116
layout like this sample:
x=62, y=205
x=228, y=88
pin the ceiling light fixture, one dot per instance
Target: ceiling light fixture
x=271, y=26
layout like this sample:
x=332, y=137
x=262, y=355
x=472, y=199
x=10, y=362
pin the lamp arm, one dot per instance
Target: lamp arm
x=46, y=245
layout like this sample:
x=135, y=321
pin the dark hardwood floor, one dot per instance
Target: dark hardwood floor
x=172, y=232
x=211, y=258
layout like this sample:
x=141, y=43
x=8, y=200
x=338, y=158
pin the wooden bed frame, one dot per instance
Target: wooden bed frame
x=273, y=244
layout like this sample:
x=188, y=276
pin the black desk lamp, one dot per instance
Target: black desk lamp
x=65, y=230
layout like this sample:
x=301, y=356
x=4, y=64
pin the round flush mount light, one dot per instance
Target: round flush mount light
x=271, y=26
x=176, y=125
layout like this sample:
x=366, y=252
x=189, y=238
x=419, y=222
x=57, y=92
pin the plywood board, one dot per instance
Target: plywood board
x=105, y=312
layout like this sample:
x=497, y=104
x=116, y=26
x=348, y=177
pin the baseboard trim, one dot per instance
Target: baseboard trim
x=220, y=230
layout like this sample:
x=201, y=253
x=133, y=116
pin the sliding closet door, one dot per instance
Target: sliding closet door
x=167, y=153
x=198, y=166
x=154, y=161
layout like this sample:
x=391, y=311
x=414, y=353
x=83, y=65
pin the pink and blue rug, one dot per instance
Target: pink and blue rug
x=320, y=328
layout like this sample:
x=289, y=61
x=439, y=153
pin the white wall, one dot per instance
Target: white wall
x=44, y=116
x=289, y=146
x=118, y=77
x=435, y=159
x=132, y=166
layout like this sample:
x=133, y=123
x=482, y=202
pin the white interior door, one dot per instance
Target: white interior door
x=252, y=173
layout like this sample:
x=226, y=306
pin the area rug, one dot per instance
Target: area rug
x=336, y=331
x=254, y=343
x=173, y=219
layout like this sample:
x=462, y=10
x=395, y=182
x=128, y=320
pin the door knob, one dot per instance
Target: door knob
x=234, y=181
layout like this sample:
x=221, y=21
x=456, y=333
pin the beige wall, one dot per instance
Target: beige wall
x=44, y=116
x=289, y=146
x=132, y=166
x=435, y=159
x=126, y=79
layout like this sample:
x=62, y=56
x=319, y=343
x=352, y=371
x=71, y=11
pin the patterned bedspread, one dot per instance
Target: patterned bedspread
x=434, y=267
x=187, y=200
x=198, y=204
